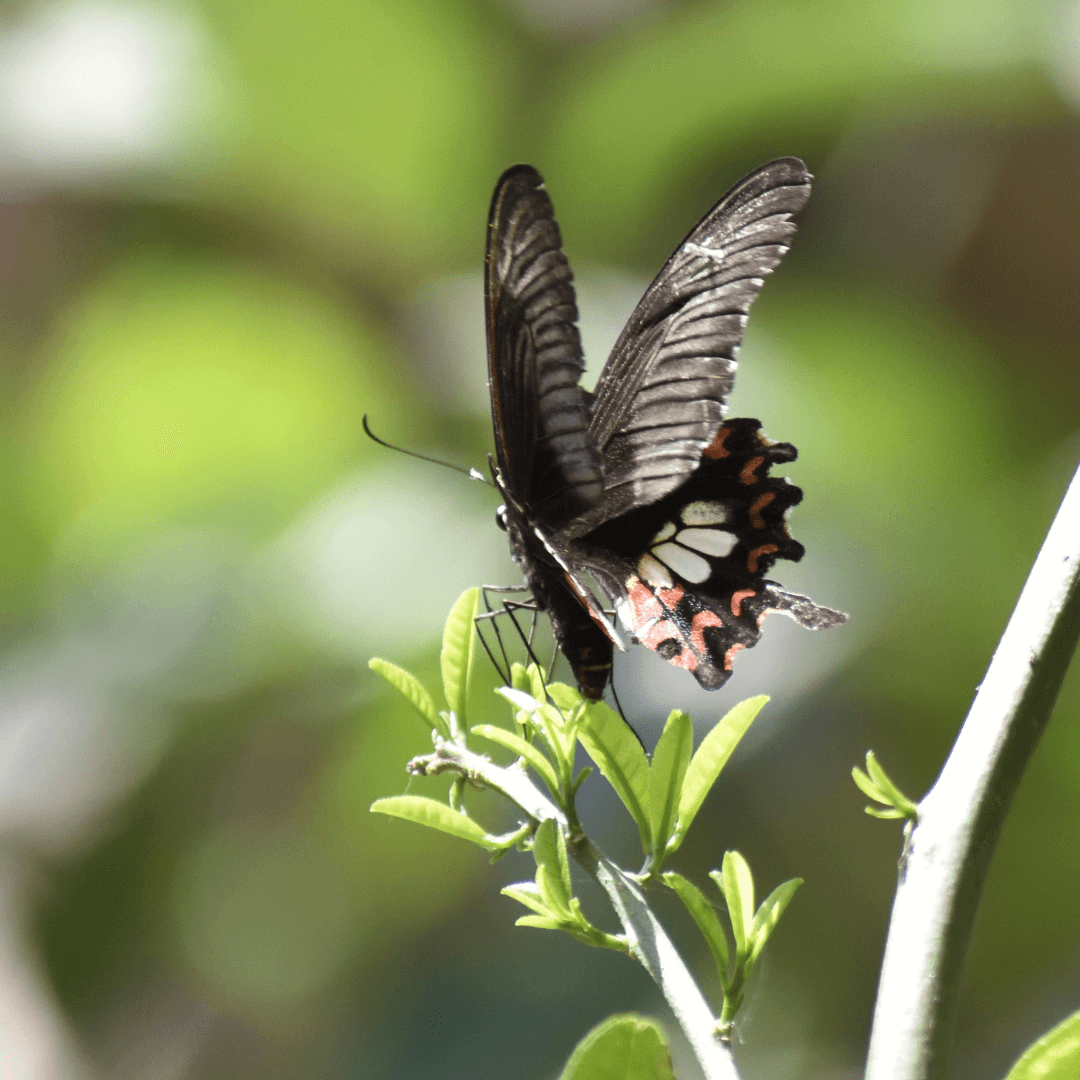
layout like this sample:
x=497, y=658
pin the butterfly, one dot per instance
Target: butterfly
x=641, y=489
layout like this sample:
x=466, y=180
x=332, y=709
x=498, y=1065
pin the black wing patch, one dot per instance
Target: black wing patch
x=660, y=399
x=546, y=457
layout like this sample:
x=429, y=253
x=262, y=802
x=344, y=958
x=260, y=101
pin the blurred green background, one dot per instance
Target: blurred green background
x=230, y=229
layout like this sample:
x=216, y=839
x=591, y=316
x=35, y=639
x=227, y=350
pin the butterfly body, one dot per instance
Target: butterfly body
x=641, y=487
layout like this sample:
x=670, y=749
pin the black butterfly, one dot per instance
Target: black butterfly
x=642, y=486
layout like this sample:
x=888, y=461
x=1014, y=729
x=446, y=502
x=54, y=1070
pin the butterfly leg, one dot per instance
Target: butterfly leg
x=489, y=614
x=511, y=608
x=507, y=607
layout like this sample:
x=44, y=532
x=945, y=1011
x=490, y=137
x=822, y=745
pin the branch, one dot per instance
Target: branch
x=945, y=865
x=649, y=944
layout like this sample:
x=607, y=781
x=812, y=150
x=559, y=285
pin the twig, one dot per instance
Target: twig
x=649, y=944
x=946, y=862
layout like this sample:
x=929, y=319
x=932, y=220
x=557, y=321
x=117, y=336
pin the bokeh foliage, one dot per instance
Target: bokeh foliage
x=199, y=548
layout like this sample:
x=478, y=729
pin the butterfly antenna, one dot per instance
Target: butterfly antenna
x=472, y=474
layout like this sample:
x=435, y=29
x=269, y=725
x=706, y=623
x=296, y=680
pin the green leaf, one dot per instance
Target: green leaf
x=625, y=1047
x=1056, y=1056
x=876, y=785
x=552, y=866
x=712, y=755
x=620, y=757
x=412, y=689
x=541, y=922
x=435, y=815
x=737, y=884
x=566, y=697
x=536, y=682
x=708, y=922
x=519, y=677
x=458, y=649
x=892, y=793
x=889, y=813
x=866, y=785
x=669, y=764
x=545, y=718
x=550, y=887
x=768, y=915
x=519, y=746
x=526, y=893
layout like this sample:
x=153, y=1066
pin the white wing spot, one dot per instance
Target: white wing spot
x=666, y=533
x=685, y=563
x=715, y=254
x=655, y=572
x=708, y=541
x=625, y=614
x=704, y=513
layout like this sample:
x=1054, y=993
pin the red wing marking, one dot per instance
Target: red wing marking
x=697, y=629
x=752, y=558
x=588, y=603
x=670, y=597
x=759, y=504
x=738, y=597
x=747, y=474
x=653, y=624
x=716, y=448
x=729, y=656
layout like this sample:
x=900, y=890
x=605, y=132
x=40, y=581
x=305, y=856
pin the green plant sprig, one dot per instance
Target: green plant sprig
x=662, y=795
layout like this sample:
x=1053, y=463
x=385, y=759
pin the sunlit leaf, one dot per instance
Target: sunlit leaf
x=540, y=922
x=711, y=756
x=519, y=746
x=866, y=785
x=737, y=884
x=669, y=764
x=552, y=866
x=704, y=914
x=436, y=815
x=458, y=649
x=885, y=785
x=1056, y=1056
x=626, y=1047
x=621, y=759
x=519, y=677
x=527, y=893
x=768, y=915
x=413, y=691
x=566, y=697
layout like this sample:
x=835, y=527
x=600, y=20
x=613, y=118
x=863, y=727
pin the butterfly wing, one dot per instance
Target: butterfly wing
x=549, y=469
x=547, y=460
x=660, y=398
x=688, y=572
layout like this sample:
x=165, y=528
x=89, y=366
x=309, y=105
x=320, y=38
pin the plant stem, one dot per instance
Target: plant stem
x=945, y=865
x=649, y=944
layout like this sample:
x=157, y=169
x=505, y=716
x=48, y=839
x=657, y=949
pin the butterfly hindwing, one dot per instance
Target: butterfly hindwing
x=693, y=565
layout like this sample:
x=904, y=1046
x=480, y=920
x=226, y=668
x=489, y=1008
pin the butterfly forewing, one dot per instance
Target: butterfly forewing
x=541, y=415
x=660, y=398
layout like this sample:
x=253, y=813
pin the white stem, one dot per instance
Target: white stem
x=945, y=865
